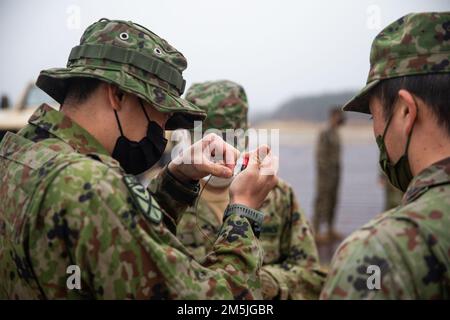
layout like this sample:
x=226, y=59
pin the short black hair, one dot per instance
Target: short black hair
x=433, y=89
x=79, y=89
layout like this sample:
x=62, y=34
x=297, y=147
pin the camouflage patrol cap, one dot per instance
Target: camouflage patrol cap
x=224, y=102
x=133, y=58
x=418, y=43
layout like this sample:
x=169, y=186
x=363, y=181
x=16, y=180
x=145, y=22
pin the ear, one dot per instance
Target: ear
x=408, y=109
x=114, y=96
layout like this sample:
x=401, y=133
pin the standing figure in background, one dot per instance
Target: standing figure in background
x=328, y=159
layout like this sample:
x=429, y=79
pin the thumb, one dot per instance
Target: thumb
x=218, y=170
x=257, y=155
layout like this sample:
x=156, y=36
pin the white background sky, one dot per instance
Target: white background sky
x=276, y=49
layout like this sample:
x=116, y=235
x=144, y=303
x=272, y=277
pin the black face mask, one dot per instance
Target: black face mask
x=137, y=157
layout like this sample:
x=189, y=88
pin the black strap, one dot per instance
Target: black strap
x=118, y=122
x=143, y=109
x=150, y=64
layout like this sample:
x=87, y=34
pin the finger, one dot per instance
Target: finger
x=269, y=165
x=223, y=151
x=210, y=138
x=254, y=160
x=194, y=153
x=217, y=169
x=231, y=155
x=212, y=146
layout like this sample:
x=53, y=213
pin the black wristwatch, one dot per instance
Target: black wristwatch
x=253, y=216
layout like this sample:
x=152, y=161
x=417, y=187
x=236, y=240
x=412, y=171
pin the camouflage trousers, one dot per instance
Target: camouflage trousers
x=325, y=201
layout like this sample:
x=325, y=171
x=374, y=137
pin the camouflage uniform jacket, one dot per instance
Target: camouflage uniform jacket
x=410, y=244
x=290, y=253
x=65, y=202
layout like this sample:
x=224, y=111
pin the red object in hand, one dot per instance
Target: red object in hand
x=245, y=162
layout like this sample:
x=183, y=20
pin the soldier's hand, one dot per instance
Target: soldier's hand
x=269, y=286
x=211, y=155
x=251, y=186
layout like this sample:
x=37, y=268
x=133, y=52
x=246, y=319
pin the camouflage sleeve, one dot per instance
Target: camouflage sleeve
x=89, y=219
x=172, y=195
x=299, y=275
x=378, y=262
x=196, y=233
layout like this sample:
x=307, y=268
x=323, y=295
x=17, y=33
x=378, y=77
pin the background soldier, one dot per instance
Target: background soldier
x=328, y=160
x=69, y=195
x=408, y=94
x=291, y=266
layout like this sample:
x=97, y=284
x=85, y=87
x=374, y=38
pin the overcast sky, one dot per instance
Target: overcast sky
x=276, y=49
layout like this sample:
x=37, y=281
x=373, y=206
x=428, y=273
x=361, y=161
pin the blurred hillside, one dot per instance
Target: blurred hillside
x=311, y=108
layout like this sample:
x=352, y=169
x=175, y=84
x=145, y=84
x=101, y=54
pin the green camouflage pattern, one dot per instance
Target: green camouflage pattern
x=65, y=202
x=129, y=77
x=410, y=244
x=328, y=167
x=418, y=43
x=392, y=195
x=224, y=101
x=290, y=253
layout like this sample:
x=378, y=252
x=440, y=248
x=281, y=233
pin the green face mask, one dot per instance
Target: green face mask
x=398, y=174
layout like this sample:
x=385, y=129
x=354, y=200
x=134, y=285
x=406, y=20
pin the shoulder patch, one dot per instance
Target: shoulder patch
x=143, y=200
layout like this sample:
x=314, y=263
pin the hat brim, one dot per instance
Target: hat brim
x=184, y=113
x=360, y=102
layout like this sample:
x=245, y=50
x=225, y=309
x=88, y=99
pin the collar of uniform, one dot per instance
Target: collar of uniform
x=435, y=175
x=62, y=127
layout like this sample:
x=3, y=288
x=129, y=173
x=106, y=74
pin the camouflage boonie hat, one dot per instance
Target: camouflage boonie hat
x=133, y=58
x=418, y=43
x=224, y=102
